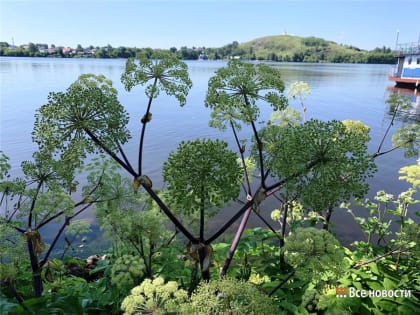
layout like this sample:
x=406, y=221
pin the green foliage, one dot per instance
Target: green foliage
x=310, y=49
x=78, y=227
x=408, y=138
x=285, y=118
x=297, y=216
x=387, y=260
x=15, y=274
x=133, y=223
x=68, y=295
x=12, y=246
x=250, y=166
x=209, y=161
x=89, y=105
x=8, y=187
x=357, y=129
x=398, y=102
x=374, y=276
x=127, y=271
x=43, y=196
x=377, y=225
x=54, y=304
x=314, y=253
x=234, y=91
x=310, y=299
x=48, y=204
x=411, y=174
x=97, y=297
x=154, y=297
x=329, y=161
x=4, y=165
x=165, y=70
x=52, y=173
x=7, y=273
x=126, y=215
x=299, y=90
x=229, y=297
x=256, y=258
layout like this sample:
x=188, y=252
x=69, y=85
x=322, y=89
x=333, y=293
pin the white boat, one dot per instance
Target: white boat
x=407, y=70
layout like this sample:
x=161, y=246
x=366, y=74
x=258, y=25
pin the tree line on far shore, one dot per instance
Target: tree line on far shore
x=234, y=50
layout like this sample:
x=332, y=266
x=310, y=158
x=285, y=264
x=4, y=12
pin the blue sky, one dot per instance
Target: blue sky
x=176, y=23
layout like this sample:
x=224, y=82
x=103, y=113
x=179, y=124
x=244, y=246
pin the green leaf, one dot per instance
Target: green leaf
x=374, y=268
x=7, y=307
x=409, y=306
x=375, y=285
x=387, y=305
x=30, y=303
x=389, y=284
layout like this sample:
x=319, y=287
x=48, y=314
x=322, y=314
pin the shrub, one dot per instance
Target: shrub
x=231, y=297
x=127, y=271
x=314, y=252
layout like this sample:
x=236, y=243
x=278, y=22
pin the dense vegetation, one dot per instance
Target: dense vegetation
x=163, y=259
x=284, y=48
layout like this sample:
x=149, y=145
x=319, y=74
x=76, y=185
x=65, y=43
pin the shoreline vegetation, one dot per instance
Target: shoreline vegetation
x=281, y=48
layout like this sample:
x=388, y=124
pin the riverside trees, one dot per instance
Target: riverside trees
x=319, y=164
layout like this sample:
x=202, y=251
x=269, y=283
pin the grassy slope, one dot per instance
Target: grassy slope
x=282, y=45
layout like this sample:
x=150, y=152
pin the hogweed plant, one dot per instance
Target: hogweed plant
x=88, y=118
x=313, y=163
x=161, y=73
x=41, y=198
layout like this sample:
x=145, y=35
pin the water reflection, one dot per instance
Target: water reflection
x=411, y=114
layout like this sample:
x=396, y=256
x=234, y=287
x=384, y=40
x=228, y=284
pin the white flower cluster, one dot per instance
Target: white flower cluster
x=154, y=297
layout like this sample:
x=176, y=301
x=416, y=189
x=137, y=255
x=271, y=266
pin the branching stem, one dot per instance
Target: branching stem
x=143, y=129
x=362, y=263
x=109, y=152
x=281, y=283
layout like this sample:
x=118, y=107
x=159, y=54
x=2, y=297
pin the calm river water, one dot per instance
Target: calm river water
x=339, y=91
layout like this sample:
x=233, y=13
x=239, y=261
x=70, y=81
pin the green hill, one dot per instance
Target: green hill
x=287, y=47
x=304, y=49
